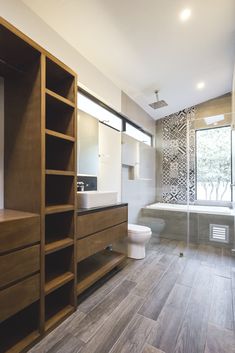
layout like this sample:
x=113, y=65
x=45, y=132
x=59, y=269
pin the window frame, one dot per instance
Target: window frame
x=123, y=118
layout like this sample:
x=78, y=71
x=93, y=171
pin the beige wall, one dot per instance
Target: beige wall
x=136, y=114
x=219, y=105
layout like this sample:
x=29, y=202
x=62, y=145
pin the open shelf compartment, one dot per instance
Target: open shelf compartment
x=59, y=190
x=59, y=80
x=59, y=230
x=58, y=306
x=58, y=269
x=20, y=330
x=59, y=154
x=95, y=267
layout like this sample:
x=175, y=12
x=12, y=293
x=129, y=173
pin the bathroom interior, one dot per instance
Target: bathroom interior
x=117, y=192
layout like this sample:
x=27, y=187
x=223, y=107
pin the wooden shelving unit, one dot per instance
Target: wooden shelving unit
x=95, y=267
x=37, y=234
x=60, y=192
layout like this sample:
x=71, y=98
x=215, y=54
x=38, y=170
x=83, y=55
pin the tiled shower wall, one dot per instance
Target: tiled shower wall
x=173, y=156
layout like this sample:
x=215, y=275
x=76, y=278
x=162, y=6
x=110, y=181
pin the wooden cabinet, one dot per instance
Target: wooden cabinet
x=17, y=297
x=19, y=264
x=96, y=242
x=96, y=230
x=94, y=222
x=18, y=229
x=37, y=228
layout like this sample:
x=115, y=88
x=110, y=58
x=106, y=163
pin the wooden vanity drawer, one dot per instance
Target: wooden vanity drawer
x=19, y=264
x=19, y=233
x=19, y=296
x=98, y=241
x=94, y=222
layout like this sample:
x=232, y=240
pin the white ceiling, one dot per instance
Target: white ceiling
x=141, y=45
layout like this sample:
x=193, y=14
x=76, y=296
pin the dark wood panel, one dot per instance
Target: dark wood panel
x=95, y=222
x=19, y=264
x=19, y=232
x=18, y=296
x=22, y=158
x=98, y=241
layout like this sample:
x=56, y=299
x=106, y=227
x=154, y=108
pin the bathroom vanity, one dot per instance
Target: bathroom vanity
x=97, y=229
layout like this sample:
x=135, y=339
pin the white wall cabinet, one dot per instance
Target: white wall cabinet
x=129, y=150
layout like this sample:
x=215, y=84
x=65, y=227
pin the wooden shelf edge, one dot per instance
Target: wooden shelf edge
x=58, y=282
x=99, y=272
x=58, y=317
x=58, y=245
x=60, y=172
x=60, y=98
x=59, y=135
x=59, y=209
x=24, y=343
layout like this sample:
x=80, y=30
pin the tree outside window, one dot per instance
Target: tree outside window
x=213, y=164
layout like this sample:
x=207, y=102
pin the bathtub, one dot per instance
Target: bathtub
x=190, y=220
x=192, y=208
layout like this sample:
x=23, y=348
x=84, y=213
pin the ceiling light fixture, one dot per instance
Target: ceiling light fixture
x=200, y=85
x=185, y=14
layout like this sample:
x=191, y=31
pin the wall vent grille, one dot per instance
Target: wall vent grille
x=219, y=233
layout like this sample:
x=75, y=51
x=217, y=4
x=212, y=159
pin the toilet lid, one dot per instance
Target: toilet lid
x=135, y=228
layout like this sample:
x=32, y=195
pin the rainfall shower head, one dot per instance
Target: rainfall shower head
x=159, y=103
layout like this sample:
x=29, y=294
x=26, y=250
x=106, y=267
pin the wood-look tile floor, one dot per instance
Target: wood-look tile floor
x=162, y=304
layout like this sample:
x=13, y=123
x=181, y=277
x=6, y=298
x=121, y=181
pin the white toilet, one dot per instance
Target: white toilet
x=137, y=238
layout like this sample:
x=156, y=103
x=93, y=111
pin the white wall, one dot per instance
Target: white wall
x=89, y=77
x=1, y=141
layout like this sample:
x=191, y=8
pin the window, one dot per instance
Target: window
x=213, y=165
x=97, y=109
x=138, y=134
x=103, y=115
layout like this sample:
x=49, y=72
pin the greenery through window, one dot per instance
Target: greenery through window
x=213, y=164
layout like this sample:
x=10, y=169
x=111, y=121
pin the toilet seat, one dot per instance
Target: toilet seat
x=137, y=229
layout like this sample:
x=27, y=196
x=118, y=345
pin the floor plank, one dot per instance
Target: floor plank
x=96, y=317
x=157, y=298
x=165, y=332
x=151, y=349
x=134, y=337
x=222, y=303
x=192, y=335
x=189, y=274
x=111, y=330
x=219, y=340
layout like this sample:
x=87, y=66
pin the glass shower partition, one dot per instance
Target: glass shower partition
x=211, y=177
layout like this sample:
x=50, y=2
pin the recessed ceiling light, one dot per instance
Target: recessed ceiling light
x=185, y=14
x=200, y=85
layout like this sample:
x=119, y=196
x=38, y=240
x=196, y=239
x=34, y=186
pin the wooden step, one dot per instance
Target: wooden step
x=59, y=135
x=58, y=245
x=59, y=208
x=57, y=281
x=58, y=97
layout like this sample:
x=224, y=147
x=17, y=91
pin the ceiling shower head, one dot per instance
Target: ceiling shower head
x=159, y=103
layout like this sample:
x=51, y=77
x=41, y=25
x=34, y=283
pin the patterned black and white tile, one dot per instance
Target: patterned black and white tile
x=178, y=149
